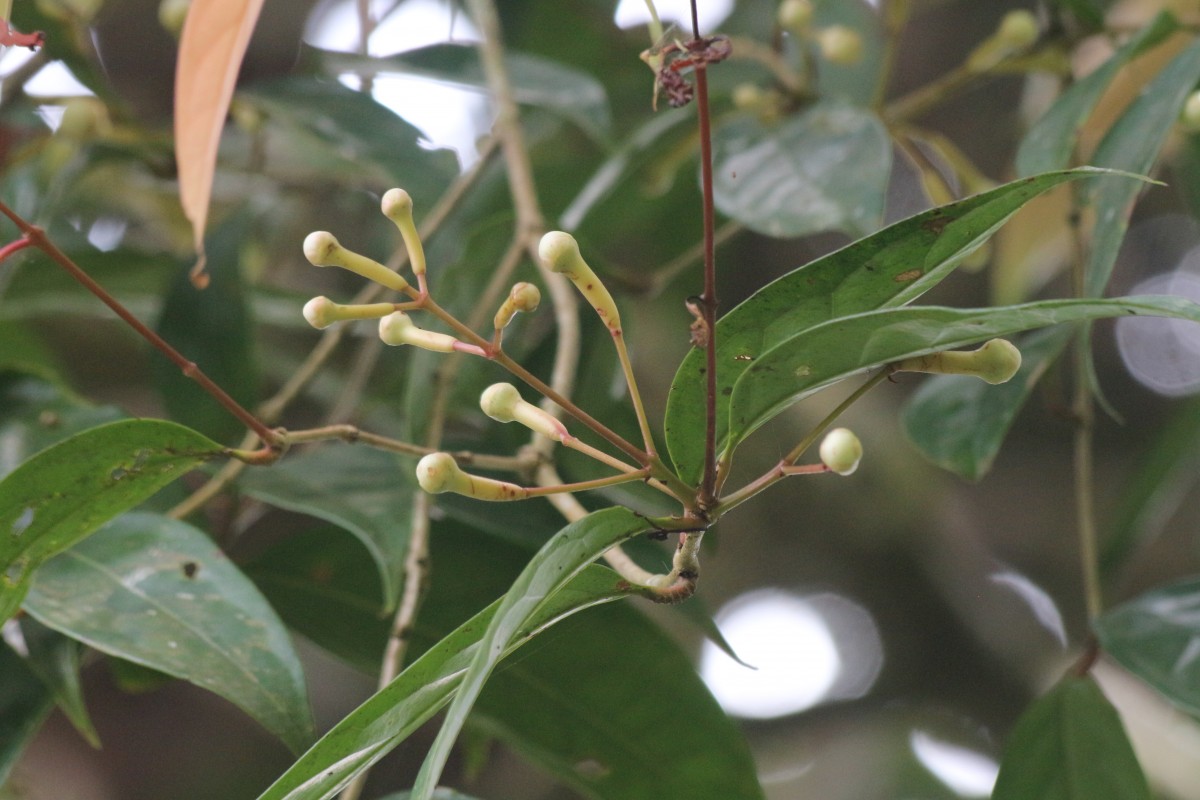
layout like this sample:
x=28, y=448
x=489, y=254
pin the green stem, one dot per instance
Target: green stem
x=786, y=465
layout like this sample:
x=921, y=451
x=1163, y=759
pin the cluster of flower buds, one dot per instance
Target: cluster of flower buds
x=322, y=249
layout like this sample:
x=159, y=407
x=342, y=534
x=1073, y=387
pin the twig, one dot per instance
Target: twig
x=708, y=308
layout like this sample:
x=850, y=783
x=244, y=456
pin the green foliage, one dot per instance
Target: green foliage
x=334, y=543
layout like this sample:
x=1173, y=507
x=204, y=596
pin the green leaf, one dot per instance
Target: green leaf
x=321, y=130
x=25, y=702
x=64, y=493
x=574, y=700
x=213, y=328
x=563, y=557
x=842, y=347
x=1156, y=636
x=1089, y=12
x=959, y=422
x=825, y=168
x=536, y=81
x=389, y=716
x=157, y=592
x=1155, y=488
x=1051, y=140
x=1133, y=144
x=54, y=658
x=888, y=268
x=366, y=491
x=1070, y=745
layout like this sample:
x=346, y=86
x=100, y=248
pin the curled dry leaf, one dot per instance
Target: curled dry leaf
x=211, y=47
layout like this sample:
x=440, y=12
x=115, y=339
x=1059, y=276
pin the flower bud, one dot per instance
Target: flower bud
x=171, y=14
x=321, y=312
x=795, y=15
x=503, y=403
x=439, y=472
x=1189, y=117
x=322, y=249
x=841, y=451
x=560, y=253
x=398, y=328
x=397, y=205
x=522, y=297
x=840, y=45
x=995, y=362
x=1018, y=30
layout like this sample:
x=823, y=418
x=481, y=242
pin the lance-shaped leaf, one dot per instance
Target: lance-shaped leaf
x=1133, y=143
x=25, y=702
x=1051, y=140
x=563, y=557
x=1070, y=745
x=842, y=347
x=67, y=491
x=158, y=592
x=388, y=717
x=365, y=491
x=888, y=268
x=1157, y=637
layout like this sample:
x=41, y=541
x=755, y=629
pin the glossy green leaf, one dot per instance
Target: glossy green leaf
x=535, y=81
x=213, y=328
x=540, y=584
x=25, y=702
x=1132, y=144
x=842, y=347
x=65, y=492
x=1156, y=636
x=320, y=131
x=366, y=491
x=1155, y=487
x=1070, y=745
x=888, y=268
x=158, y=592
x=54, y=658
x=825, y=168
x=389, y=716
x=1051, y=140
x=959, y=422
x=573, y=700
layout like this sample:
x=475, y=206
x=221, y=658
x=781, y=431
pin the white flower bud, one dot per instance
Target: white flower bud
x=503, y=403
x=840, y=44
x=322, y=249
x=995, y=362
x=522, y=297
x=560, y=253
x=397, y=205
x=795, y=15
x=321, y=312
x=841, y=451
x=439, y=472
x=398, y=328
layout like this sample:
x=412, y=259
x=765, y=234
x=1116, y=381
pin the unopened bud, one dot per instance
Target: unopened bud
x=397, y=205
x=171, y=14
x=439, y=472
x=560, y=253
x=995, y=362
x=1189, y=117
x=795, y=15
x=321, y=312
x=503, y=403
x=841, y=451
x=522, y=297
x=398, y=328
x=1018, y=30
x=840, y=45
x=322, y=249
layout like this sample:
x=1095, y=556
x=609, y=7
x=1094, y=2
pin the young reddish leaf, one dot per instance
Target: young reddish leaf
x=211, y=48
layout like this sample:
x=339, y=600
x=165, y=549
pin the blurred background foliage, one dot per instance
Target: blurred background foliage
x=922, y=612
